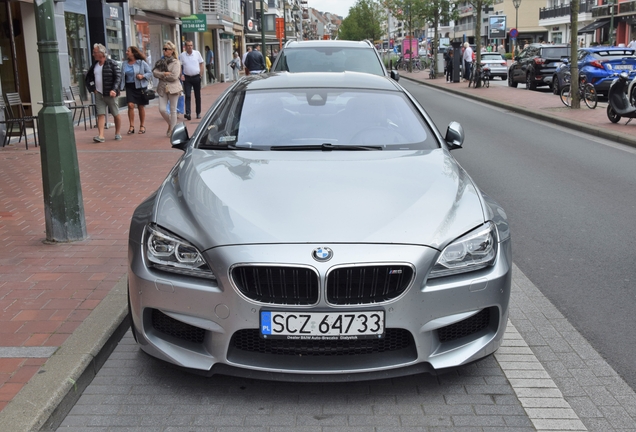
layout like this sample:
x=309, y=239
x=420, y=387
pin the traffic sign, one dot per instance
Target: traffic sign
x=514, y=33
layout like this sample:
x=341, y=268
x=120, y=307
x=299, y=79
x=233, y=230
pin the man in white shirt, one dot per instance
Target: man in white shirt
x=192, y=67
x=632, y=44
x=468, y=60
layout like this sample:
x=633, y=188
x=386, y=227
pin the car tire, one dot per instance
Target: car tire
x=511, y=83
x=555, y=85
x=612, y=115
x=530, y=84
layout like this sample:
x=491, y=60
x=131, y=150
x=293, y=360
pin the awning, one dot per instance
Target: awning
x=591, y=28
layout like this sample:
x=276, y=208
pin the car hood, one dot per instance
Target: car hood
x=217, y=198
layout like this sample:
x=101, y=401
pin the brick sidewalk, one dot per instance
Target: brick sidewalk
x=46, y=291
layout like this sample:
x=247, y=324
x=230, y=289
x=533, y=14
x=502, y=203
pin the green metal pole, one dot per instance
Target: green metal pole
x=263, y=49
x=285, y=21
x=63, y=204
x=611, y=29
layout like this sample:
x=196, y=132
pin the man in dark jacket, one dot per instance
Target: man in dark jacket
x=255, y=62
x=104, y=79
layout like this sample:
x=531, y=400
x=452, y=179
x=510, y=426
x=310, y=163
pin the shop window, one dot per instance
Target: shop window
x=78, y=53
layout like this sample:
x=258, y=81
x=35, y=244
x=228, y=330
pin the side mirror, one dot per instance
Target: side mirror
x=454, y=135
x=395, y=75
x=179, y=138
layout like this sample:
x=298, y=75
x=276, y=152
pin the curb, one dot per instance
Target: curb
x=626, y=139
x=46, y=399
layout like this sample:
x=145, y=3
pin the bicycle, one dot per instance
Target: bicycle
x=480, y=73
x=587, y=92
x=431, y=70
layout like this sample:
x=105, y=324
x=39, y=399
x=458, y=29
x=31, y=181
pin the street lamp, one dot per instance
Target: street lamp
x=516, y=4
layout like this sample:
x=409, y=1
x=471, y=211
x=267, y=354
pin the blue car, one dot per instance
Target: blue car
x=600, y=65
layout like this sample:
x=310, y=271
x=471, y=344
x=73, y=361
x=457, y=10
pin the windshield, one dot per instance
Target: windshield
x=329, y=59
x=258, y=120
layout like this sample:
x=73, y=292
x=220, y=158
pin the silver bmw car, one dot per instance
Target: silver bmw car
x=317, y=227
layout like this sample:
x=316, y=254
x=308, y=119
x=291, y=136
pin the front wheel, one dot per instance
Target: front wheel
x=589, y=95
x=511, y=83
x=612, y=115
x=566, y=96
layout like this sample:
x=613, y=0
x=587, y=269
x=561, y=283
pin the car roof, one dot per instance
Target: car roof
x=282, y=80
x=332, y=43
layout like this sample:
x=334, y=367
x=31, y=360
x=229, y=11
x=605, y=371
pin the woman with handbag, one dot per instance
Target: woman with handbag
x=235, y=64
x=137, y=75
x=167, y=70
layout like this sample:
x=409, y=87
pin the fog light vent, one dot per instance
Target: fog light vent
x=172, y=327
x=465, y=327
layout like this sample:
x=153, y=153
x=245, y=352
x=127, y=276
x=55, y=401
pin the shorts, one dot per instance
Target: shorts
x=101, y=102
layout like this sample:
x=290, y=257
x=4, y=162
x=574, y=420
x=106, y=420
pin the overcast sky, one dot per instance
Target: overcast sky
x=338, y=7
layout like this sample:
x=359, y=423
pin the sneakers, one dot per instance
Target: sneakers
x=117, y=137
x=198, y=116
x=187, y=116
x=98, y=139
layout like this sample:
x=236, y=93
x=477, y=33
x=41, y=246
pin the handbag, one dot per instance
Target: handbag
x=233, y=65
x=148, y=94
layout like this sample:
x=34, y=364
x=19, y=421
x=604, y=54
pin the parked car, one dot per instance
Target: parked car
x=601, y=66
x=536, y=64
x=496, y=63
x=318, y=228
x=331, y=56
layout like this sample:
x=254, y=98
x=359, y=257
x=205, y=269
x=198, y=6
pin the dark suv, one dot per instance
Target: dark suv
x=331, y=56
x=536, y=64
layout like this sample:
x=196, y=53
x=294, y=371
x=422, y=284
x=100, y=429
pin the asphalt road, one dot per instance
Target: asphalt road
x=571, y=200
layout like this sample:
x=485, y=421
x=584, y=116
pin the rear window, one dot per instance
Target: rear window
x=555, y=52
x=316, y=116
x=613, y=54
x=329, y=59
x=485, y=56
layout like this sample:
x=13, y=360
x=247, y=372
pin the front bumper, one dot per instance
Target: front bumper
x=212, y=327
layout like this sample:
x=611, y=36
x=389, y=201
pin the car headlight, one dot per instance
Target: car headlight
x=167, y=252
x=473, y=251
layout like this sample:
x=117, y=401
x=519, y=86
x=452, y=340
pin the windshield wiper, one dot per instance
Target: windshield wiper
x=326, y=147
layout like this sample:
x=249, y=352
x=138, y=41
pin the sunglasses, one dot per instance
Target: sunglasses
x=167, y=49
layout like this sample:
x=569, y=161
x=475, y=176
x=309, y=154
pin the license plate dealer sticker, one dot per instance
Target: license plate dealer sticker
x=322, y=325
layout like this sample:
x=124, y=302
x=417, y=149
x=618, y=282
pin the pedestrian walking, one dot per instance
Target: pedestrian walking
x=167, y=71
x=235, y=65
x=104, y=80
x=209, y=64
x=632, y=44
x=255, y=62
x=137, y=75
x=247, y=71
x=192, y=73
x=468, y=60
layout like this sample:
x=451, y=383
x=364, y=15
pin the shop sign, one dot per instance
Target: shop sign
x=113, y=12
x=194, y=23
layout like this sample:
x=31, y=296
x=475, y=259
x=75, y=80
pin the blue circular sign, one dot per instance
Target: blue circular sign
x=514, y=33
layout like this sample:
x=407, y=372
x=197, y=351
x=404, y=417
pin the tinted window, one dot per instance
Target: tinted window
x=555, y=52
x=613, y=54
x=485, y=56
x=253, y=120
x=330, y=59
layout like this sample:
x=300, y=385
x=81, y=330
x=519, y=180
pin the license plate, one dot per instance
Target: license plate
x=322, y=325
x=623, y=67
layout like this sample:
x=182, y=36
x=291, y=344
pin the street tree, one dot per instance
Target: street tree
x=478, y=5
x=574, y=65
x=411, y=12
x=436, y=11
x=363, y=21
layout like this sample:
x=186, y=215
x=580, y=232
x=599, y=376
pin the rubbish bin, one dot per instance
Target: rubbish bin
x=457, y=60
x=440, y=63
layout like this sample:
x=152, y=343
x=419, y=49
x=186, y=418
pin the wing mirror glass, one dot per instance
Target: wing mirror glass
x=180, y=138
x=454, y=135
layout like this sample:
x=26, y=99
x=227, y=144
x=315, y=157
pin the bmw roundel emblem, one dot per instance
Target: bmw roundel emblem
x=322, y=254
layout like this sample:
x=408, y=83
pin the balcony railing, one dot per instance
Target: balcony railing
x=213, y=7
x=564, y=10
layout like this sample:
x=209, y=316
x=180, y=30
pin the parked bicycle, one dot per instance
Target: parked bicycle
x=587, y=92
x=480, y=73
x=414, y=63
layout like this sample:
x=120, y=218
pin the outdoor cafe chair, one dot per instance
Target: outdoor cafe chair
x=85, y=108
x=16, y=115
